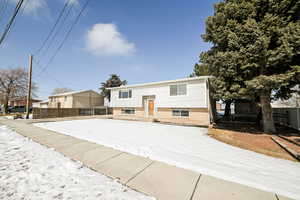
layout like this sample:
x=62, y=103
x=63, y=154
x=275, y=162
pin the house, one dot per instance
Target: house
x=76, y=99
x=42, y=104
x=21, y=102
x=181, y=101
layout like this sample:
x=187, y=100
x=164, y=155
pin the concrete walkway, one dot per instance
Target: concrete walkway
x=163, y=181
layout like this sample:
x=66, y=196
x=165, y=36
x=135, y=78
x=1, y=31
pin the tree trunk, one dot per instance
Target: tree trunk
x=5, y=106
x=267, y=113
x=227, y=108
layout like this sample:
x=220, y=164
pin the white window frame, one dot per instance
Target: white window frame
x=181, y=112
x=123, y=111
x=177, y=89
x=129, y=95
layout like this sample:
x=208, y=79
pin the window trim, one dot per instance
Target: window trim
x=180, y=113
x=123, y=111
x=129, y=94
x=177, y=89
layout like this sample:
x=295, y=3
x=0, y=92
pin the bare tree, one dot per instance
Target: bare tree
x=13, y=83
x=61, y=90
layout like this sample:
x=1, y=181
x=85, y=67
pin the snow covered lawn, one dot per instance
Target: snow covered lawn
x=31, y=171
x=190, y=148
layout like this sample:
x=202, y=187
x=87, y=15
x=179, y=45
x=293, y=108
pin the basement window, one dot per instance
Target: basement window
x=128, y=111
x=180, y=113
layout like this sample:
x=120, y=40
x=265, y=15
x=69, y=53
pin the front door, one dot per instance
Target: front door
x=150, y=107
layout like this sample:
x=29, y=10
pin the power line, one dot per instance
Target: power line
x=49, y=76
x=18, y=6
x=57, y=31
x=15, y=22
x=54, y=26
x=66, y=37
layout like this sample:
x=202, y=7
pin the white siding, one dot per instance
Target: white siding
x=196, y=96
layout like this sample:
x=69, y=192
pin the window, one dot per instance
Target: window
x=125, y=94
x=179, y=89
x=66, y=98
x=129, y=111
x=180, y=113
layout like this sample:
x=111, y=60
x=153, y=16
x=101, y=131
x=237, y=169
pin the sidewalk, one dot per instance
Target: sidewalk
x=163, y=181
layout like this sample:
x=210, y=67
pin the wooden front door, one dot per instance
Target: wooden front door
x=150, y=107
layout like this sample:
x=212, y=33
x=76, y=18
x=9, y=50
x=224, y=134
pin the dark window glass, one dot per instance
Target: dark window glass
x=128, y=111
x=130, y=93
x=173, y=90
x=180, y=113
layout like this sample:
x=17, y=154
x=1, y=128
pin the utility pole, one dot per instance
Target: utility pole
x=29, y=87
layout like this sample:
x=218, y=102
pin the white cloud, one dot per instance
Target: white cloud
x=105, y=39
x=31, y=6
x=75, y=2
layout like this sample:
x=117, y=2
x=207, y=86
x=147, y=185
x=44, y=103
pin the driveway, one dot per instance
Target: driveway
x=190, y=148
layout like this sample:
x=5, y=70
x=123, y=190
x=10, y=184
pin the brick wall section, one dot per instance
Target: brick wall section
x=197, y=116
x=139, y=112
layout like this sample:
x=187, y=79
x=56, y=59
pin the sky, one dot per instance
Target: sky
x=140, y=40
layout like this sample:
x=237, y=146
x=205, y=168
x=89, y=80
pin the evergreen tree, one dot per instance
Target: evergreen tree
x=113, y=81
x=256, y=51
x=200, y=70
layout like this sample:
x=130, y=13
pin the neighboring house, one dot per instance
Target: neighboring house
x=245, y=107
x=42, y=104
x=292, y=102
x=76, y=99
x=21, y=102
x=182, y=100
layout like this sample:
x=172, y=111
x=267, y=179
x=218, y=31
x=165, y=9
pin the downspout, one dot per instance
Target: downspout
x=208, y=101
x=298, y=118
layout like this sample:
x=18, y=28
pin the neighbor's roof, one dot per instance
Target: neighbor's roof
x=45, y=101
x=161, y=82
x=280, y=104
x=72, y=93
x=24, y=98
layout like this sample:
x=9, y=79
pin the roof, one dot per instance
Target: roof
x=45, y=101
x=282, y=104
x=72, y=93
x=24, y=98
x=160, y=82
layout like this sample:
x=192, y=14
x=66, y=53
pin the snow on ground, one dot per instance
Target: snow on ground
x=190, y=148
x=30, y=171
